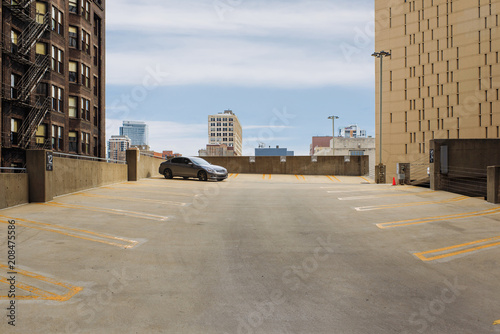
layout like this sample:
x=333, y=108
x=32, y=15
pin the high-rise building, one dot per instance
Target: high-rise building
x=53, y=76
x=138, y=132
x=225, y=128
x=441, y=80
x=117, y=147
x=352, y=131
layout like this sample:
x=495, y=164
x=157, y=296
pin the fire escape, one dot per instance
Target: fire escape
x=20, y=95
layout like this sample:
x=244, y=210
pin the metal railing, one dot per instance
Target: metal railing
x=85, y=157
x=12, y=170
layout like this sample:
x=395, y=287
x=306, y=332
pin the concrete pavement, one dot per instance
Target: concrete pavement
x=254, y=254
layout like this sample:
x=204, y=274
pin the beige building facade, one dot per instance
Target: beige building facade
x=225, y=128
x=442, y=79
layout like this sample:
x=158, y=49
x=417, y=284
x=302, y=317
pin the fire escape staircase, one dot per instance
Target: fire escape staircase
x=35, y=72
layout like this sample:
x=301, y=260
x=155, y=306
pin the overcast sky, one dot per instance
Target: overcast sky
x=282, y=66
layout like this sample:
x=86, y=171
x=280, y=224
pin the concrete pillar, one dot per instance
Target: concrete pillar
x=380, y=174
x=133, y=158
x=494, y=184
x=40, y=175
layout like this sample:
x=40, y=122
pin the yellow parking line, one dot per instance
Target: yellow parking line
x=149, y=192
x=263, y=176
x=39, y=293
x=300, y=176
x=106, y=210
x=418, y=221
x=236, y=176
x=230, y=175
x=131, y=199
x=74, y=232
x=336, y=178
x=382, y=196
x=496, y=322
x=404, y=205
x=365, y=179
x=490, y=242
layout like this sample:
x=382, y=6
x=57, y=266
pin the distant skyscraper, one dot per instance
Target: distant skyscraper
x=137, y=132
x=225, y=128
x=117, y=147
x=352, y=131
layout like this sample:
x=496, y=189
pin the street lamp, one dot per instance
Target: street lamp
x=380, y=55
x=333, y=118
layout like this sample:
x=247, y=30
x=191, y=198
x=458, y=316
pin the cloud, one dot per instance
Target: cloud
x=252, y=43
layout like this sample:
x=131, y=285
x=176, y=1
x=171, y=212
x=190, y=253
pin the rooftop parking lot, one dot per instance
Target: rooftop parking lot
x=254, y=254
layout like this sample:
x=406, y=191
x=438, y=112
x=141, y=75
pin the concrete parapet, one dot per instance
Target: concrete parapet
x=301, y=165
x=494, y=184
x=133, y=158
x=15, y=189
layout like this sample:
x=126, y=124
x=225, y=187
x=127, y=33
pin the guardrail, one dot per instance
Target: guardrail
x=151, y=156
x=84, y=157
x=12, y=169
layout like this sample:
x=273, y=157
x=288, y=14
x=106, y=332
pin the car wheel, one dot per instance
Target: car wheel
x=167, y=173
x=202, y=175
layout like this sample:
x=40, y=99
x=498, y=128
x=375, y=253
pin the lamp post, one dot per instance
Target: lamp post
x=333, y=118
x=380, y=55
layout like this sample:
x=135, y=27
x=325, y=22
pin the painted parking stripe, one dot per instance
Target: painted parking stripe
x=74, y=232
x=404, y=205
x=107, y=210
x=153, y=192
x=417, y=221
x=496, y=322
x=353, y=198
x=336, y=178
x=132, y=199
x=59, y=291
x=299, y=177
x=365, y=179
x=469, y=247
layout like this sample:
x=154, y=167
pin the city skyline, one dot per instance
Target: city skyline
x=283, y=74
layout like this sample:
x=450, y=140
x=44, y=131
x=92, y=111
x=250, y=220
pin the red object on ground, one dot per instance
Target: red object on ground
x=393, y=181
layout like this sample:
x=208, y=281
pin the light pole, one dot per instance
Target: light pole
x=333, y=118
x=380, y=55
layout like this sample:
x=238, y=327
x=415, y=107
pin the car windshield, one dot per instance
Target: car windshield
x=200, y=161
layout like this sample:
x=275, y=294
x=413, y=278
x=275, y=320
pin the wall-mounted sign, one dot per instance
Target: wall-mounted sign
x=252, y=160
x=50, y=161
x=314, y=158
x=347, y=158
x=283, y=159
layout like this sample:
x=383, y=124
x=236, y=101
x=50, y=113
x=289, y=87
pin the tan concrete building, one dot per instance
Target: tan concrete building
x=442, y=79
x=225, y=128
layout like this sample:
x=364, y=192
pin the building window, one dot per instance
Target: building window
x=96, y=115
x=85, y=41
x=41, y=134
x=356, y=153
x=14, y=39
x=73, y=37
x=85, y=76
x=57, y=99
x=54, y=137
x=15, y=124
x=14, y=83
x=73, y=106
x=86, y=9
x=96, y=56
x=73, y=74
x=73, y=141
x=73, y=6
x=41, y=48
x=96, y=86
x=60, y=141
x=57, y=60
x=85, y=109
x=85, y=143
x=41, y=11
x=57, y=21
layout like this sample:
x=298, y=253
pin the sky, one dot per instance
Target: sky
x=282, y=66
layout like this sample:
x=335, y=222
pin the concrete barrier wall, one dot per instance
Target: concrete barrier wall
x=71, y=175
x=301, y=165
x=14, y=190
x=148, y=166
